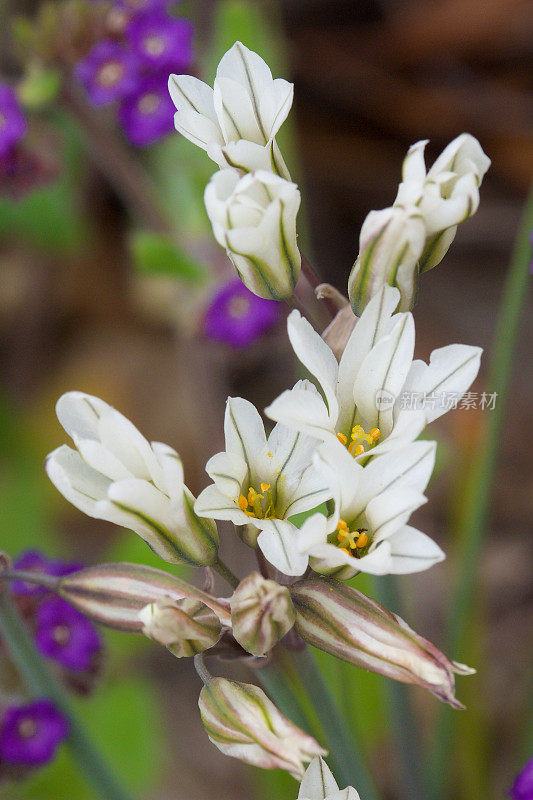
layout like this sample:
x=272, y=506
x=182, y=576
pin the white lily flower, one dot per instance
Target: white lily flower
x=236, y=121
x=368, y=395
x=116, y=475
x=260, y=483
x=318, y=783
x=368, y=530
x=446, y=194
x=254, y=218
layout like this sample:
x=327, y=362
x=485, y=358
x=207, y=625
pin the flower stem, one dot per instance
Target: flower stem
x=344, y=754
x=226, y=573
x=40, y=683
x=405, y=726
x=477, y=495
x=38, y=578
x=201, y=669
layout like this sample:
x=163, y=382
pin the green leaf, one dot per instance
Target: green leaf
x=157, y=255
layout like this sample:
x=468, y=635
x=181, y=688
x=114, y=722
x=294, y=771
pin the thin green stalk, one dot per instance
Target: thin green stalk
x=40, y=683
x=405, y=725
x=475, y=507
x=344, y=755
x=226, y=573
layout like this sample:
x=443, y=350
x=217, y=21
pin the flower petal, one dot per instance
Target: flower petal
x=318, y=781
x=317, y=357
x=244, y=432
x=413, y=551
x=278, y=542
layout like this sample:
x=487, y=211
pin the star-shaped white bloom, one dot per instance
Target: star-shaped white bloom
x=368, y=530
x=114, y=474
x=260, y=483
x=377, y=397
x=318, y=783
x=236, y=121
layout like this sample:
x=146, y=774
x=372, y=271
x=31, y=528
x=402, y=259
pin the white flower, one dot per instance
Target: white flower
x=390, y=246
x=369, y=404
x=367, y=531
x=236, y=121
x=260, y=482
x=318, y=783
x=116, y=475
x=254, y=218
x=447, y=194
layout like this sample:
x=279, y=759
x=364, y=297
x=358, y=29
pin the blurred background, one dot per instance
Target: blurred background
x=108, y=266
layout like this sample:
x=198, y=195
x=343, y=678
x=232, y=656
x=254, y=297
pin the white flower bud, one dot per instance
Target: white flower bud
x=446, y=195
x=242, y=722
x=261, y=614
x=344, y=622
x=390, y=246
x=115, y=594
x=116, y=475
x=254, y=218
x=185, y=627
x=236, y=121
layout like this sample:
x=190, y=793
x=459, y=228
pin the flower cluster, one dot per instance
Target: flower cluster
x=327, y=493
x=132, y=70
x=252, y=203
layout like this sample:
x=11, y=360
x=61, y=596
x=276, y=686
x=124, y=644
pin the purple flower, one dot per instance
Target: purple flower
x=148, y=114
x=31, y=733
x=65, y=635
x=142, y=5
x=162, y=42
x=237, y=316
x=12, y=121
x=523, y=785
x=108, y=72
x=33, y=561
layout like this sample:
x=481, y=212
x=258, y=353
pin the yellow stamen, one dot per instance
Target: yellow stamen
x=264, y=486
x=362, y=541
x=342, y=535
x=358, y=450
x=343, y=439
x=357, y=432
x=242, y=502
x=375, y=433
x=341, y=524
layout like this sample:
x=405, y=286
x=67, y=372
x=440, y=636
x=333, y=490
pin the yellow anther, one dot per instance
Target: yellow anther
x=357, y=451
x=264, y=486
x=269, y=455
x=341, y=524
x=343, y=439
x=375, y=433
x=357, y=432
x=362, y=541
x=242, y=502
x=342, y=535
